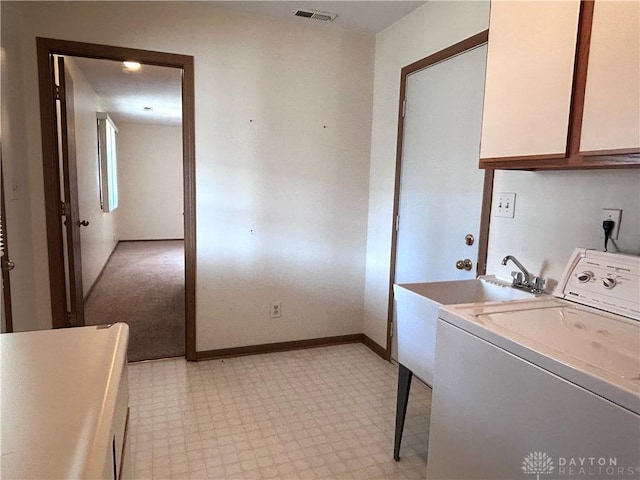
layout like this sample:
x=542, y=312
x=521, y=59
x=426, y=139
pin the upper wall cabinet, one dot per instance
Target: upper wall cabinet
x=611, y=118
x=530, y=60
x=562, y=87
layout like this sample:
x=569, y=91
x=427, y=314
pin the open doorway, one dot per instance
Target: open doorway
x=65, y=226
x=131, y=200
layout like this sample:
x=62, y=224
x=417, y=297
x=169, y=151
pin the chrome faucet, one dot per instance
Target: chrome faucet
x=524, y=279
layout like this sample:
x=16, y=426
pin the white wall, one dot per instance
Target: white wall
x=429, y=29
x=99, y=238
x=24, y=226
x=281, y=201
x=149, y=182
x=556, y=212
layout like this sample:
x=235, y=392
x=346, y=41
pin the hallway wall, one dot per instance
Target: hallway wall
x=99, y=238
x=150, y=182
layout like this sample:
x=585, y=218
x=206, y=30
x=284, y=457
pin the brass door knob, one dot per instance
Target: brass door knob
x=468, y=239
x=465, y=264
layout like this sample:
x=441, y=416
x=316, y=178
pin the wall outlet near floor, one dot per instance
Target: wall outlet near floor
x=276, y=310
x=614, y=214
x=504, y=204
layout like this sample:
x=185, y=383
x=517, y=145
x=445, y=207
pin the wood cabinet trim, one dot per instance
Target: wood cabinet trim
x=617, y=151
x=574, y=134
x=584, y=163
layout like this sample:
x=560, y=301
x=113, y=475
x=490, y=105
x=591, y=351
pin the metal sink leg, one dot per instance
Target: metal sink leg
x=404, y=386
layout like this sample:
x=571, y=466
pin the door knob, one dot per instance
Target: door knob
x=468, y=239
x=465, y=264
x=83, y=223
x=8, y=265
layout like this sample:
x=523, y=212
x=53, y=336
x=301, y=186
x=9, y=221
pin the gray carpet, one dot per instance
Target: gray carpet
x=143, y=286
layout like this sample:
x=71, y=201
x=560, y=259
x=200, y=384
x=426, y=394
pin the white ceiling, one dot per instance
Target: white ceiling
x=363, y=16
x=126, y=95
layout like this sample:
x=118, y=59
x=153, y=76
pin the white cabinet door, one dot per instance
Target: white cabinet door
x=612, y=98
x=530, y=67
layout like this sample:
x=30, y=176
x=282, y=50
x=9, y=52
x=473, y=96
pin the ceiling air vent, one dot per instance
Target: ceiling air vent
x=316, y=15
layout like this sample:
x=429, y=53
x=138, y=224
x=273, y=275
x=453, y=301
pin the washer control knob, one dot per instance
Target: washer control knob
x=584, y=277
x=609, y=282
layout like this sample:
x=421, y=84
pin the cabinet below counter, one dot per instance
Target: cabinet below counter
x=64, y=403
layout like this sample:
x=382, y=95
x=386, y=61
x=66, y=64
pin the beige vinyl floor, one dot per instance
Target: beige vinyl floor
x=322, y=413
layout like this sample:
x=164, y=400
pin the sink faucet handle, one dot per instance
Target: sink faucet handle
x=538, y=284
x=517, y=278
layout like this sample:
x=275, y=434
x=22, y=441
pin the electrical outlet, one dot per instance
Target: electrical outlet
x=614, y=214
x=504, y=204
x=276, y=310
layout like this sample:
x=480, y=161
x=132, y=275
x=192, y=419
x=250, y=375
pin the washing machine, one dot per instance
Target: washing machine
x=546, y=387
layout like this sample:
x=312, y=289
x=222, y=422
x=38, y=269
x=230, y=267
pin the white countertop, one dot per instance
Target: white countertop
x=57, y=400
x=596, y=350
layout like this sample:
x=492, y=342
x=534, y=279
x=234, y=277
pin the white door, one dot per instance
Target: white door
x=441, y=185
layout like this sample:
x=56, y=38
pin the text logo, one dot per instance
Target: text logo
x=537, y=463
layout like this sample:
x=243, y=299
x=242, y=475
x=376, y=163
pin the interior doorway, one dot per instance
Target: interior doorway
x=61, y=195
x=443, y=199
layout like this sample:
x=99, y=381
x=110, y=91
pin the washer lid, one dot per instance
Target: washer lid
x=598, y=340
x=596, y=350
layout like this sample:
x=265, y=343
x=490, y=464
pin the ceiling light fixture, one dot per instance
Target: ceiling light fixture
x=130, y=67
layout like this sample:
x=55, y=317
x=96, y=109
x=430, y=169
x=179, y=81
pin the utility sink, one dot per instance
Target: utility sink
x=417, y=306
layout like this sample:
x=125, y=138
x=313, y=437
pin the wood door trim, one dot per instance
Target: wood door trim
x=47, y=47
x=449, y=52
x=485, y=222
x=51, y=179
x=6, y=280
x=445, y=54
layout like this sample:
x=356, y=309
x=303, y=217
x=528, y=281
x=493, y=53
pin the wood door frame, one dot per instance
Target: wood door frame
x=485, y=215
x=6, y=277
x=46, y=47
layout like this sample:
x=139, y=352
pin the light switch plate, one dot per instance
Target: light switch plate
x=504, y=204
